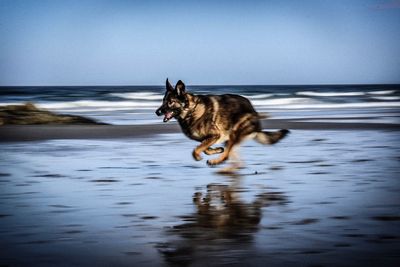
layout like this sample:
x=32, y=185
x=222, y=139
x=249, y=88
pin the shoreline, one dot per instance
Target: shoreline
x=19, y=133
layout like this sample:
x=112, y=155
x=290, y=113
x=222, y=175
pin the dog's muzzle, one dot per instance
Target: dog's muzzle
x=167, y=114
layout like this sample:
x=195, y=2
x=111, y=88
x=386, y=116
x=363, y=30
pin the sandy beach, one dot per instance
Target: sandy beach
x=133, y=196
x=12, y=133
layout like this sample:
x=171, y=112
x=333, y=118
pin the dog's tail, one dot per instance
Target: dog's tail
x=270, y=138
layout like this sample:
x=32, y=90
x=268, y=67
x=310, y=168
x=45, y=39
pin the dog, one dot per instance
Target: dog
x=214, y=119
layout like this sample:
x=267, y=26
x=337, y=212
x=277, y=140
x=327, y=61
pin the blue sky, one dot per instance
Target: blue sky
x=202, y=42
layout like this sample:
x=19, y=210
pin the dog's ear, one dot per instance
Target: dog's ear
x=169, y=86
x=180, y=88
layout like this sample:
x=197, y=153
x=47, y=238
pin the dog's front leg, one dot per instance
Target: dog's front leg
x=206, y=143
x=212, y=151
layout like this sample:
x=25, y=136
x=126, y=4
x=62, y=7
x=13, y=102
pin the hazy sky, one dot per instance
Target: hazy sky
x=120, y=42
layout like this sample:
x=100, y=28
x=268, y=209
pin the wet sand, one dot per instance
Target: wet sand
x=11, y=133
x=318, y=198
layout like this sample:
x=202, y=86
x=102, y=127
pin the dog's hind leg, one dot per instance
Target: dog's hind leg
x=205, y=144
x=212, y=151
x=245, y=127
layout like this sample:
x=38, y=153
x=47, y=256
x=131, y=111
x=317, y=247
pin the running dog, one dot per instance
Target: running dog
x=213, y=119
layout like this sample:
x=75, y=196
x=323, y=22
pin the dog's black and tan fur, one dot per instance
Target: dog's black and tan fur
x=213, y=119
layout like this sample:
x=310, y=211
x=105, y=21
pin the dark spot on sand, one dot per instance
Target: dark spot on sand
x=153, y=178
x=386, y=218
x=123, y=203
x=5, y=181
x=273, y=227
x=2, y=174
x=149, y=161
x=153, y=165
x=28, y=193
x=137, y=184
x=72, y=232
x=50, y=175
x=340, y=217
x=342, y=245
x=62, y=211
x=84, y=170
x=297, y=182
x=325, y=165
x=149, y=217
x=122, y=226
x=275, y=168
x=306, y=161
x=60, y=206
x=361, y=160
x=105, y=181
x=117, y=167
x=306, y=221
x=325, y=203
x=73, y=225
x=319, y=139
x=25, y=184
x=355, y=235
x=318, y=173
x=5, y=215
x=37, y=242
x=311, y=252
x=192, y=166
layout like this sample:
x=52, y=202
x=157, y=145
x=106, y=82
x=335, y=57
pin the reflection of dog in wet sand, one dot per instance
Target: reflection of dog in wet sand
x=221, y=208
x=223, y=221
x=213, y=119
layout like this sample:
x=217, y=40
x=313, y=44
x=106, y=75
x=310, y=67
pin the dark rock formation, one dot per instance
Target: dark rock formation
x=29, y=114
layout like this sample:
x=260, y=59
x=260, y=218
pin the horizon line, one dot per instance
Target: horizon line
x=141, y=85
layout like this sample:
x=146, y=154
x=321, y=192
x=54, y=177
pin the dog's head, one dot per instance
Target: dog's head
x=174, y=101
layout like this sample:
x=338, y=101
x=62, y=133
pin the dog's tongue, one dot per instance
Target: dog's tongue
x=168, y=116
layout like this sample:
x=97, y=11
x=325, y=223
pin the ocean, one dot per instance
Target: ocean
x=126, y=105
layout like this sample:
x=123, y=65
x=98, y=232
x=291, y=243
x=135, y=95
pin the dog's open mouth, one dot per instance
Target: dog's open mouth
x=168, y=115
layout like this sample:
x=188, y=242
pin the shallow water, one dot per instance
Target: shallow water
x=328, y=198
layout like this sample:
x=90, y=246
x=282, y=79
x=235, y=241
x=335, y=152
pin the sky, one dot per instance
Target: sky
x=271, y=42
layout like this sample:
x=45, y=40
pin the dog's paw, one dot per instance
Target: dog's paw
x=213, y=162
x=196, y=156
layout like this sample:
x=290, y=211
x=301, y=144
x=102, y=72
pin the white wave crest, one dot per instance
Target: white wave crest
x=260, y=96
x=284, y=101
x=384, y=92
x=386, y=98
x=312, y=93
x=139, y=95
x=302, y=103
x=98, y=105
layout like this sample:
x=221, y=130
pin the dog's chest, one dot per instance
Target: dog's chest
x=194, y=133
x=201, y=131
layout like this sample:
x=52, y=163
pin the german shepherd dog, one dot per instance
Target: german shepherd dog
x=213, y=119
